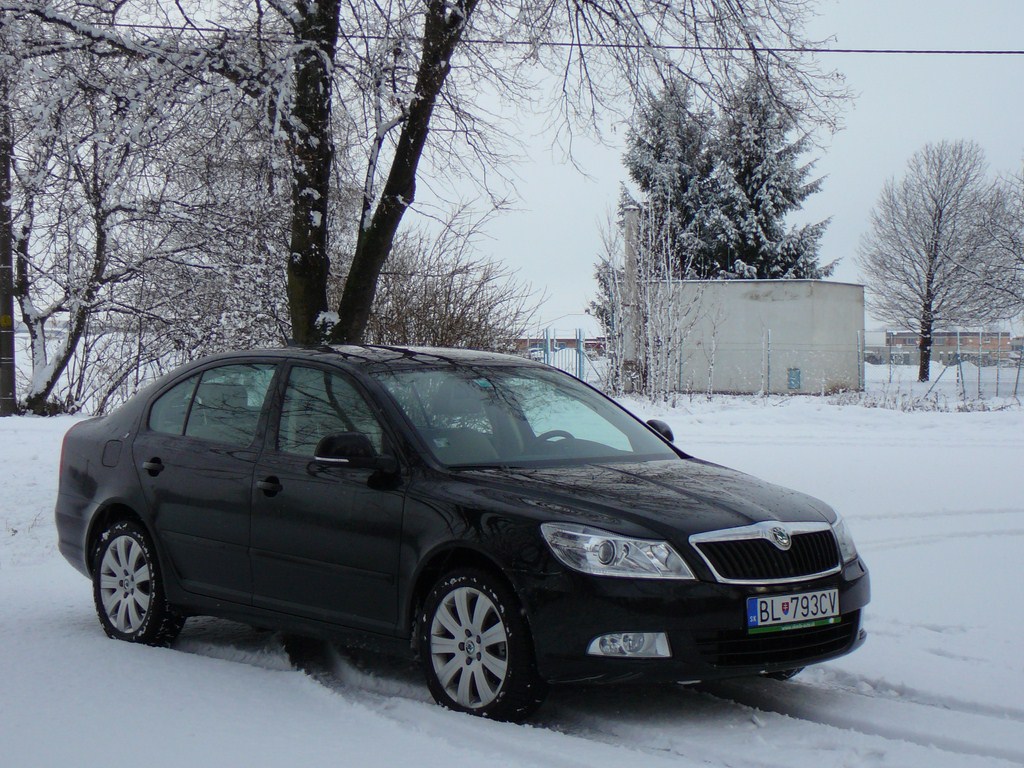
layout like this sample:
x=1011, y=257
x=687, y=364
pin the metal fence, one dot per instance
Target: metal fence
x=571, y=352
x=968, y=364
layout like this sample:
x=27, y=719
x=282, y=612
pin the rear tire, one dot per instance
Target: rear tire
x=476, y=649
x=128, y=588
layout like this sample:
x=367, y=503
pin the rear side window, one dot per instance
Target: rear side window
x=227, y=403
x=170, y=409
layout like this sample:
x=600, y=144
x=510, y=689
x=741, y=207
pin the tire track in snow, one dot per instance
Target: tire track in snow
x=400, y=695
x=679, y=721
x=854, y=685
x=665, y=721
x=230, y=641
x=930, y=514
x=671, y=723
x=902, y=542
x=966, y=731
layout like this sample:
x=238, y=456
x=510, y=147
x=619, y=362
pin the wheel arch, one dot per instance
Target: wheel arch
x=103, y=519
x=446, y=560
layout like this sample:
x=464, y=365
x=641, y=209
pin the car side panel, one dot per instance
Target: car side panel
x=444, y=516
x=199, y=506
x=95, y=473
x=326, y=545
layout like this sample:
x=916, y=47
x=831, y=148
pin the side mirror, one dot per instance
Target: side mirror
x=662, y=429
x=353, y=450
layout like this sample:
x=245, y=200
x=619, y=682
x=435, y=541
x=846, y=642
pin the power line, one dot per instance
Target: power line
x=904, y=51
x=624, y=46
x=759, y=49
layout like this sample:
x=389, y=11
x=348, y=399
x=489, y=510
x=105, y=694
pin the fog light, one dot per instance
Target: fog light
x=634, y=645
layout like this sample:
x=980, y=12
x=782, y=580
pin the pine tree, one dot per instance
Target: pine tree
x=716, y=189
x=668, y=158
x=758, y=179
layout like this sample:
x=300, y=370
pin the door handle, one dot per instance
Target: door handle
x=154, y=466
x=270, y=486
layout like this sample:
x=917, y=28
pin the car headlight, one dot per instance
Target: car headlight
x=601, y=553
x=847, y=549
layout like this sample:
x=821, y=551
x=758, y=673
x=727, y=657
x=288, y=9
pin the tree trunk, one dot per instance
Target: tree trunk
x=442, y=32
x=47, y=368
x=925, y=343
x=928, y=302
x=8, y=400
x=37, y=401
x=312, y=155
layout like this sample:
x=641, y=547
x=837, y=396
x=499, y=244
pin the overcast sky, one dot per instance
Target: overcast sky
x=902, y=102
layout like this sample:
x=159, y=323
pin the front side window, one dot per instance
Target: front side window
x=227, y=403
x=318, y=403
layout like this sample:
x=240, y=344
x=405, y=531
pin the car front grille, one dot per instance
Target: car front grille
x=758, y=560
x=738, y=649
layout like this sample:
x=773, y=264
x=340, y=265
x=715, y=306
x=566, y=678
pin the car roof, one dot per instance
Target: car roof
x=375, y=356
x=368, y=358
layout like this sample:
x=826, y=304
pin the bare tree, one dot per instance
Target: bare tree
x=407, y=69
x=84, y=182
x=130, y=232
x=437, y=292
x=19, y=47
x=646, y=323
x=930, y=233
x=351, y=101
x=1004, y=269
x=599, y=49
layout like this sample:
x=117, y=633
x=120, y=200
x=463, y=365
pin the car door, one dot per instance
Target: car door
x=325, y=540
x=195, y=455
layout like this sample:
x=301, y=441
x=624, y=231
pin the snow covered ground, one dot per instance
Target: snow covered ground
x=965, y=386
x=934, y=499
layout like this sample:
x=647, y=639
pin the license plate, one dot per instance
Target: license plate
x=776, y=613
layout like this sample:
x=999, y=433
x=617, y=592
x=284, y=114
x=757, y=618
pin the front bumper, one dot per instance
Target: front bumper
x=705, y=623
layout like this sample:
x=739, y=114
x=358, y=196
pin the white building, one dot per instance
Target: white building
x=751, y=336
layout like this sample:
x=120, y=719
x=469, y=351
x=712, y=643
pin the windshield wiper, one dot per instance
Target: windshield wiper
x=493, y=465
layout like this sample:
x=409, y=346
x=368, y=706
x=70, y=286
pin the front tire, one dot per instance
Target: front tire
x=476, y=649
x=128, y=588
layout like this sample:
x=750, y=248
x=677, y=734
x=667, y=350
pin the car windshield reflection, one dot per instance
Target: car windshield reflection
x=513, y=417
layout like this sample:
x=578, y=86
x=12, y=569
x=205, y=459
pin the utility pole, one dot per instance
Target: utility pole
x=630, y=316
x=8, y=400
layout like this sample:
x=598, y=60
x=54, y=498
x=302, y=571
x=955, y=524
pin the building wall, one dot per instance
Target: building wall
x=795, y=336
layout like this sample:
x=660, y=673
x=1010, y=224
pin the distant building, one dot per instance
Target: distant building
x=982, y=347
x=751, y=336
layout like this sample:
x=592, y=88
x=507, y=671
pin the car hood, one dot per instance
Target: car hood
x=671, y=498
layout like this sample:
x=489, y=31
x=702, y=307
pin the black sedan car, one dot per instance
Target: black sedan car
x=510, y=525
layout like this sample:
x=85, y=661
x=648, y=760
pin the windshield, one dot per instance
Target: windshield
x=483, y=416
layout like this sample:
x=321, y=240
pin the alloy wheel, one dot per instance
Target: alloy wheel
x=125, y=584
x=469, y=647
